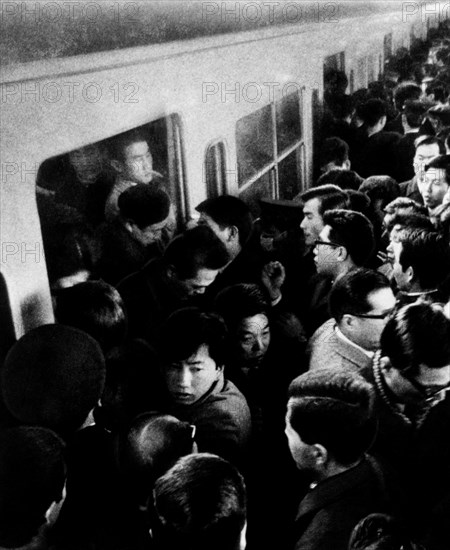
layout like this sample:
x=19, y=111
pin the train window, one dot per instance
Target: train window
x=215, y=170
x=288, y=121
x=261, y=152
x=289, y=175
x=80, y=189
x=261, y=188
x=254, y=142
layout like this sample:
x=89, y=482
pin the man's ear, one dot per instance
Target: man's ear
x=233, y=233
x=343, y=254
x=348, y=320
x=385, y=364
x=129, y=226
x=410, y=273
x=117, y=165
x=347, y=164
x=320, y=454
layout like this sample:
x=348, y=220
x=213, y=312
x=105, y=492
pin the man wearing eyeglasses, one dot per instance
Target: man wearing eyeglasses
x=345, y=243
x=360, y=303
x=411, y=375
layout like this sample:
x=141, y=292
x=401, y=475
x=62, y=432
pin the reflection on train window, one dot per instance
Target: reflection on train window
x=77, y=193
x=261, y=188
x=254, y=142
x=264, y=152
x=215, y=170
x=361, y=73
x=371, y=68
x=387, y=46
x=289, y=175
x=288, y=121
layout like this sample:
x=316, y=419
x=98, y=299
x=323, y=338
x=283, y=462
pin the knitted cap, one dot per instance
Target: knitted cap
x=53, y=376
x=144, y=205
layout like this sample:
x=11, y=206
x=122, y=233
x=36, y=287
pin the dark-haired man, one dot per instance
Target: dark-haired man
x=435, y=182
x=360, y=303
x=188, y=266
x=200, y=503
x=411, y=376
x=192, y=349
x=329, y=426
x=426, y=148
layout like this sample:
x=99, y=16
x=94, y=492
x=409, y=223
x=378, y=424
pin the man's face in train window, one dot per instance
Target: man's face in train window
x=312, y=223
x=137, y=163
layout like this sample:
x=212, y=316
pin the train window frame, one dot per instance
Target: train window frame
x=219, y=185
x=170, y=127
x=270, y=169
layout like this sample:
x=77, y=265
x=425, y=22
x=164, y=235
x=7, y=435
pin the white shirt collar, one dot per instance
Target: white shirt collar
x=344, y=338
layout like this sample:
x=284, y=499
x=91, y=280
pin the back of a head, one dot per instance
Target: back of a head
x=350, y=292
x=344, y=179
x=418, y=334
x=405, y=91
x=144, y=205
x=200, y=504
x=329, y=197
x=429, y=140
x=414, y=111
x=237, y=302
x=53, y=377
x=197, y=248
x=334, y=150
x=373, y=111
x=382, y=188
x=189, y=328
x=403, y=203
x=226, y=211
x=95, y=307
x=333, y=407
x=32, y=476
x=353, y=231
x=149, y=447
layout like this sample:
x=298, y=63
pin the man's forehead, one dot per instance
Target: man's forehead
x=325, y=233
x=311, y=206
x=428, y=150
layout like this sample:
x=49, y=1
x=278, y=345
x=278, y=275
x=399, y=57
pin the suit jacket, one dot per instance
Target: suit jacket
x=325, y=346
x=329, y=512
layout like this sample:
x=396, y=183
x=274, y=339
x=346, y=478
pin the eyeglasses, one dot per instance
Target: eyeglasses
x=429, y=393
x=318, y=242
x=375, y=315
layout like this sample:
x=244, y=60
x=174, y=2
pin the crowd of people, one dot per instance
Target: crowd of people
x=279, y=381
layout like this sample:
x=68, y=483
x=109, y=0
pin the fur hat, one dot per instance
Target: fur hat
x=53, y=377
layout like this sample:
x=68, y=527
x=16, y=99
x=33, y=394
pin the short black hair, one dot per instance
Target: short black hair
x=117, y=144
x=335, y=408
x=148, y=447
x=429, y=140
x=189, y=328
x=144, y=205
x=353, y=231
x=329, y=196
x=344, y=179
x=197, y=248
x=405, y=91
x=350, y=292
x=335, y=150
x=226, y=211
x=418, y=334
x=382, y=188
x=95, y=307
x=200, y=504
x=240, y=301
x=373, y=111
x=441, y=162
x=416, y=221
x=427, y=252
x=403, y=203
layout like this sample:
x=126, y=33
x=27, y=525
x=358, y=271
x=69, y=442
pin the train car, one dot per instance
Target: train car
x=229, y=107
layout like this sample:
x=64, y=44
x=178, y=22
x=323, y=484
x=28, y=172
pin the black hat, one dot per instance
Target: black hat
x=144, y=205
x=53, y=377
